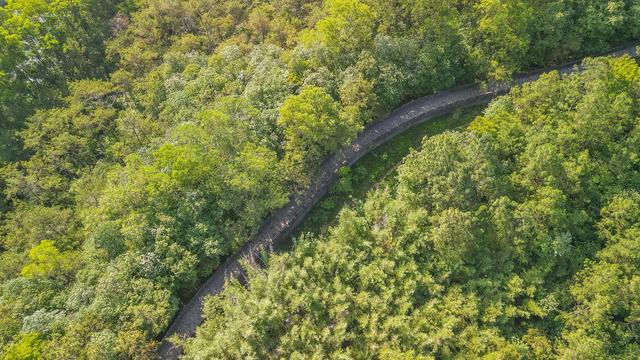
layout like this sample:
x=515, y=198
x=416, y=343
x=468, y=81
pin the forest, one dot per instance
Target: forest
x=142, y=142
x=517, y=238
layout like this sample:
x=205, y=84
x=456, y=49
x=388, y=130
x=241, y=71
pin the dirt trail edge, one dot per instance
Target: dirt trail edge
x=278, y=227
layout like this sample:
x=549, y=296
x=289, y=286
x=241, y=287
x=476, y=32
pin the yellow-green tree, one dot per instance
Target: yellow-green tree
x=313, y=126
x=46, y=260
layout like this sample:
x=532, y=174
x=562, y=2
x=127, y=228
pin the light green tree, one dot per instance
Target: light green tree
x=45, y=260
x=313, y=127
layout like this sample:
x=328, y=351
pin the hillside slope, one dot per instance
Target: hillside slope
x=278, y=227
x=516, y=238
x=146, y=141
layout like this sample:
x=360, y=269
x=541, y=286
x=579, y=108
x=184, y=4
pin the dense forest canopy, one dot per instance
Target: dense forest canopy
x=45, y=45
x=517, y=238
x=142, y=141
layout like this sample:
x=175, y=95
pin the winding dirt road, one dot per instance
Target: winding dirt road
x=278, y=227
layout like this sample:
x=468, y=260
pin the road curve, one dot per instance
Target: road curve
x=278, y=227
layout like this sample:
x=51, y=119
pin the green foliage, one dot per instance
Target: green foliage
x=606, y=293
x=376, y=169
x=142, y=142
x=43, y=45
x=313, y=127
x=46, y=260
x=65, y=143
x=29, y=347
x=502, y=35
x=517, y=238
x=346, y=29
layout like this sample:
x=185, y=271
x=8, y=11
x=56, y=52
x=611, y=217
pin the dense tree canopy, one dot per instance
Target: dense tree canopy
x=517, y=238
x=43, y=46
x=143, y=141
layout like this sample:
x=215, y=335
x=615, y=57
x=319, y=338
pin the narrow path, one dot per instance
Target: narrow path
x=277, y=228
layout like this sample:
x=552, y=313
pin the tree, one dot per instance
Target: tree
x=47, y=261
x=64, y=142
x=501, y=39
x=344, y=31
x=29, y=347
x=606, y=294
x=313, y=127
x=599, y=21
x=44, y=45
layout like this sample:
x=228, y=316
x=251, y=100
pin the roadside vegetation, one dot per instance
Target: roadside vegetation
x=376, y=169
